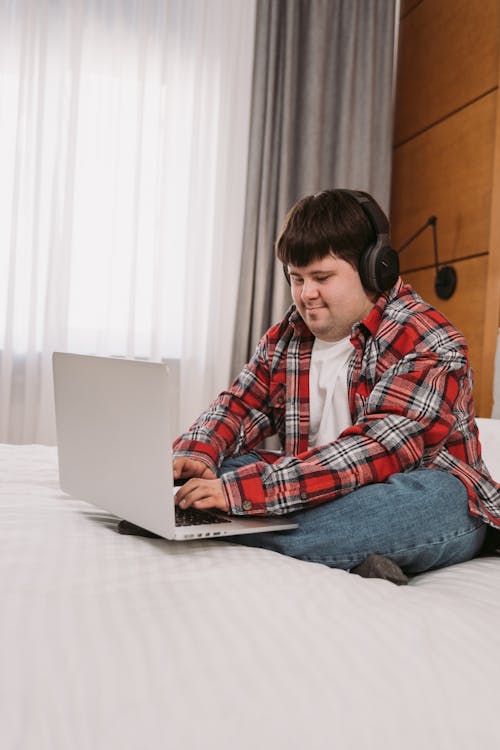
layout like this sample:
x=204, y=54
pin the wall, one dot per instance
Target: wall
x=447, y=163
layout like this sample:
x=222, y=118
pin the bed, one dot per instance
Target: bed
x=112, y=641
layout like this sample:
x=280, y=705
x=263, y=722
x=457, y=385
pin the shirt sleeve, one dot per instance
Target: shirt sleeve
x=237, y=421
x=405, y=421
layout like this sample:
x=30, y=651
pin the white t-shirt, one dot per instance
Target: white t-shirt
x=328, y=396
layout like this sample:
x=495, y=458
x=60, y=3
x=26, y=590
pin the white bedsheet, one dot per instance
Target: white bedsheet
x=109, y=641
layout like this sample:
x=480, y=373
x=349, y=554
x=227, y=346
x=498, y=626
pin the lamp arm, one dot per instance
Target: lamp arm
x=446, y=277
x=430, y=221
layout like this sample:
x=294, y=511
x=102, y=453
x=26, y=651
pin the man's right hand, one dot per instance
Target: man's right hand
x=185, y=468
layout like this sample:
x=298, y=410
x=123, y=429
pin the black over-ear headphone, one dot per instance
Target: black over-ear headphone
x=379, y=263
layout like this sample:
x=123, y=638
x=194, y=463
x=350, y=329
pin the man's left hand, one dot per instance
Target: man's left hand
x=202, y=494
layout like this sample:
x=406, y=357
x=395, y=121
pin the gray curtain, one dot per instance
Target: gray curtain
x=321, y=118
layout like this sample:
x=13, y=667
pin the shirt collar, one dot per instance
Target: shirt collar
x=297, y=322
x=370, y=324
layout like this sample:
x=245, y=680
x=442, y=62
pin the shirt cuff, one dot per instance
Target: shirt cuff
x=245, y=493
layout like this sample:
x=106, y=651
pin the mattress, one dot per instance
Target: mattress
x=112, y=641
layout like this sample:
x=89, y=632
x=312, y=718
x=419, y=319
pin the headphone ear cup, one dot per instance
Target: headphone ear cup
x=379, y=268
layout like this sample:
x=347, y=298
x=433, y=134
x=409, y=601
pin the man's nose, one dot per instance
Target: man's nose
x=309, y=289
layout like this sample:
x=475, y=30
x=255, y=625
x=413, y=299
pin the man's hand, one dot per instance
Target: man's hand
x=202, y=494
x=190, y=467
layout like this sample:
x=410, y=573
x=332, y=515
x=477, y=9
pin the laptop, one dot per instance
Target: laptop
x=115, y=420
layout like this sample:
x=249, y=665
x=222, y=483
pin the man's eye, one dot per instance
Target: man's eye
x=322, y=278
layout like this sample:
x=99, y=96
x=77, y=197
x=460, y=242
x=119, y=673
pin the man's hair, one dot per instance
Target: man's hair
x=327, y=222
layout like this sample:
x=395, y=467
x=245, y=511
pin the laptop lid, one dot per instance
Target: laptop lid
x=114, y=432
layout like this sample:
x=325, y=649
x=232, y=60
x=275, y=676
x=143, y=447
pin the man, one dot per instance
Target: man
x=370, y=392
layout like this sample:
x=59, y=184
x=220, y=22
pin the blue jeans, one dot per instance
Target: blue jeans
x=419, y=519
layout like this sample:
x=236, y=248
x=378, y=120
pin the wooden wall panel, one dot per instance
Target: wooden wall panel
x=492, y=287
x=446, y=171
x=407, y=5
x=465, y=308
x=447, y=58
x=447, y=162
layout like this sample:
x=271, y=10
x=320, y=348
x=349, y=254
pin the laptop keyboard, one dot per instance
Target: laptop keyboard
x=193, y=517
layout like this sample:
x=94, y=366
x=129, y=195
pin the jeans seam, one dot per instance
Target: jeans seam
x=450, y=538
x=388, y=553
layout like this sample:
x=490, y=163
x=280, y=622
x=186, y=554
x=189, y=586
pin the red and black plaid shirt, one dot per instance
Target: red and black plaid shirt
x=410, y=391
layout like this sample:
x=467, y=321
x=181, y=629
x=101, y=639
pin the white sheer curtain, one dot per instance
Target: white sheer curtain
x=123, y=145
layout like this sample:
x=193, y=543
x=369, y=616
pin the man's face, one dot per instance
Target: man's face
x=330, y=297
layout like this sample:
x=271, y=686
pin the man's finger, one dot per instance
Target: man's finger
x=201, y=493
x=179, y=467
x=189, y=467
x=205, y=503
x=189, y=492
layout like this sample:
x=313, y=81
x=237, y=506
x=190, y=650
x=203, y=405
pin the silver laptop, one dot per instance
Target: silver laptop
x=116, y=420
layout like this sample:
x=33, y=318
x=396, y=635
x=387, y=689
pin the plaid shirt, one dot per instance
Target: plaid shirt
x=410, y=394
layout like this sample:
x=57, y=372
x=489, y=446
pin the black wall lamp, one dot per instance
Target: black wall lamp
x=445, y=282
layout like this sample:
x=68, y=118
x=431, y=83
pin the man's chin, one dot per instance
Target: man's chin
x=320, y=332
x=326, y=333
x=314, y=316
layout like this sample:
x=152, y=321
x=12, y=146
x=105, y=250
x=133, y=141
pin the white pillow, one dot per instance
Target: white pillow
x=489, y=435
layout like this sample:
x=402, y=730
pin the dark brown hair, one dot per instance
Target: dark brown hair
x=327, y=222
